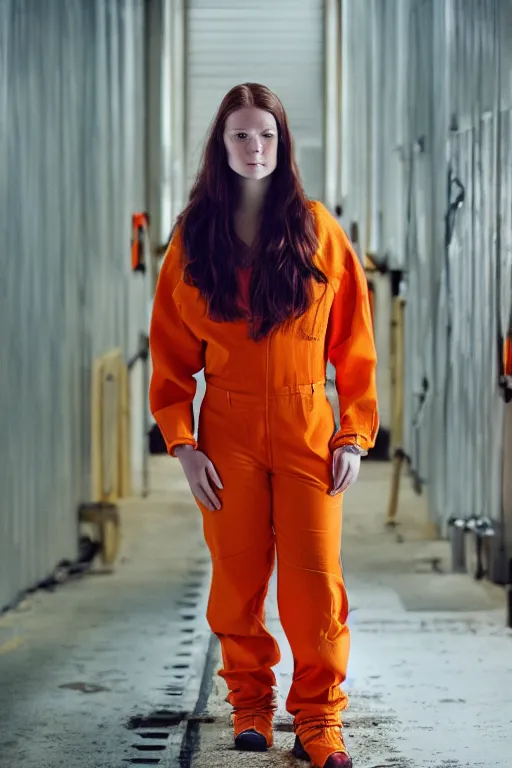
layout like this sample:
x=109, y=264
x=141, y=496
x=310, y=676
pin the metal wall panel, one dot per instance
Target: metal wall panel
x=357, y=92
x=173, y=164
x=72, y=172
x=374, y=133
x=442, y=94
x=280, y=45
x=461, y=428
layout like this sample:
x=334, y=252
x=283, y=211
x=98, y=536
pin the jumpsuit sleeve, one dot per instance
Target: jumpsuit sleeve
x=176, y=355
x=351, y=350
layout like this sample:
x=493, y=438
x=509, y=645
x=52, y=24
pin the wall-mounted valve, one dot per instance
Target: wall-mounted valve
x=480, y=532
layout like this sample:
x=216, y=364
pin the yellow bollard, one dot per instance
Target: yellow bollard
x=110, y=451
x=397, y=405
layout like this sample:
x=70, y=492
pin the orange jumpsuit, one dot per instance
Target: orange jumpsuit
x=268, y=428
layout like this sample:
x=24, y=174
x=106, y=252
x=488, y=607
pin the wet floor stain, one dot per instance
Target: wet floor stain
x=84, y=687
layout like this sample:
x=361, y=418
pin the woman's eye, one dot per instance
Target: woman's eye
x=241, y=136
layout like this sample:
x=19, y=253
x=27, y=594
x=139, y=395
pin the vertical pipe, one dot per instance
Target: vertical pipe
x=345, y=101
x=375, y=143
x=339, y=95
x=179, y=103
x=153, y=112
x=146, y=417
x=509, y=595
x=331, y=118
x=166, y=117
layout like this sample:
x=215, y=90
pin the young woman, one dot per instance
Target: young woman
x=260, y=287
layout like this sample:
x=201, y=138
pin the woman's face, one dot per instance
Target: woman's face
x=251, y=138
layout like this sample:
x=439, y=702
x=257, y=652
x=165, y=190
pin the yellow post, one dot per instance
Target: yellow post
x=110, y=450
x=397, y=405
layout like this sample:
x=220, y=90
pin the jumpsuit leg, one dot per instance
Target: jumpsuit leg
x=312, y=598
x=241, y=541
x=313, y=603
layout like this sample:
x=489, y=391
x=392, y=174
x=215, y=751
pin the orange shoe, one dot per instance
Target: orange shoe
x=325, y=748
x=253, y=731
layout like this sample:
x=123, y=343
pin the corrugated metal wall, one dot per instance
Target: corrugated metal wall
x=436, y=109
x=71, y=97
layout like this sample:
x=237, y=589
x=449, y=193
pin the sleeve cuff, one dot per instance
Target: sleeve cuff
x=341, y=439
x=183, y=441
x=355, y=449
x=175, y=423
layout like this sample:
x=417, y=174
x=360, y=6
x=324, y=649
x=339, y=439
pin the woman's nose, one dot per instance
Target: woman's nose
x=256, y=145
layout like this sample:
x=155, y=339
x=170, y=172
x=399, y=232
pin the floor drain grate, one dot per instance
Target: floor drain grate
x=149, y=747
x=158, y=731
x=187, y=604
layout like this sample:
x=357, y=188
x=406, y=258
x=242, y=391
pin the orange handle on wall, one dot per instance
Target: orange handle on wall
x=507, y=356
x=140, y=224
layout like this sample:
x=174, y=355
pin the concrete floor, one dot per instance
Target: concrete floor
x=430, y=673
x=77, y=664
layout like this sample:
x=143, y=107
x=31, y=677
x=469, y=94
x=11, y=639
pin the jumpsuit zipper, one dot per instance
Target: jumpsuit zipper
x=267, y=414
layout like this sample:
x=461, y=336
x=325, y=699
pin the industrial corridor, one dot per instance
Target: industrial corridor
x=156, y=252
x=119, y=669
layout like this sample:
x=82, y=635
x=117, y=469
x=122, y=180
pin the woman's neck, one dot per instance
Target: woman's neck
x=247, y=217
x=252, y=196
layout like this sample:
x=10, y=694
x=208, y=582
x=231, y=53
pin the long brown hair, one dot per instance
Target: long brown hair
x=281, y=281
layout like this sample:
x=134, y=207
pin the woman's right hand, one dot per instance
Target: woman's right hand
x=199, y=470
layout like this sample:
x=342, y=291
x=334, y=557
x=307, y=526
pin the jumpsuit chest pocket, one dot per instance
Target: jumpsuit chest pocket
x=312, y=326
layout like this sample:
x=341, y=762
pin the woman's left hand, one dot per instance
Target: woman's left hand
x=345, y=470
